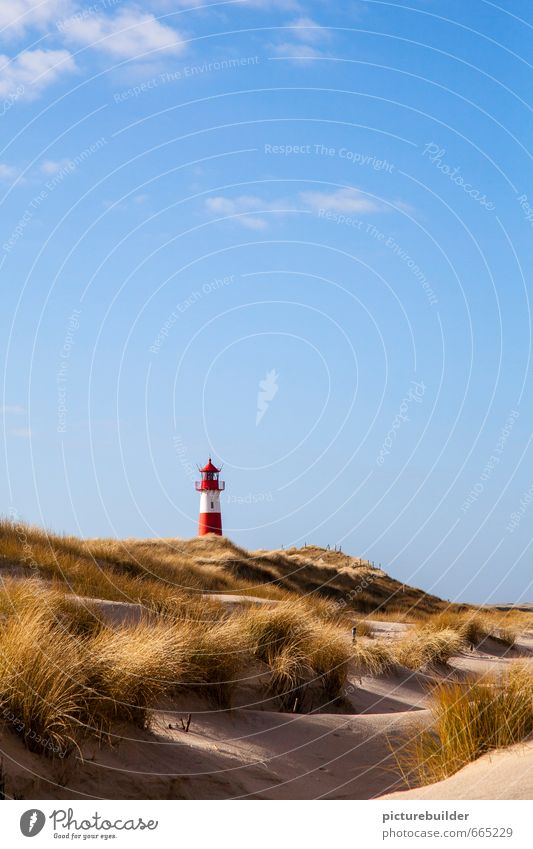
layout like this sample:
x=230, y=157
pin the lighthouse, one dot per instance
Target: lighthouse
x=209, y=488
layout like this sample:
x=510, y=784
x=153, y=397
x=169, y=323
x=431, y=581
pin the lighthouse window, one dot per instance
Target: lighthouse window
x=212, y=505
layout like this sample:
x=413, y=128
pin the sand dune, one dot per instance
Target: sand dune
x=504, y=774
x=248, y=752
x=261, y=753
x=341, y=749
x=255, y=751
x=236, y=754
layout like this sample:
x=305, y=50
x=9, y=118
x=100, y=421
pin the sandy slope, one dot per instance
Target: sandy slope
x=505, y=774
x=254, y=751
x=237, y=754
x=242, y=753
x=345, y=750
x=118, y=613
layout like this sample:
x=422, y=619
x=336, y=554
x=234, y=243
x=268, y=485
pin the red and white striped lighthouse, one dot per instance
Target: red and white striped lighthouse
x=210, y=488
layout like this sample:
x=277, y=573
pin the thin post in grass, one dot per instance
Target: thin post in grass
x=186, y=725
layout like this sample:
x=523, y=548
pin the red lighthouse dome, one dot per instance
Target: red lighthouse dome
x=210, y=487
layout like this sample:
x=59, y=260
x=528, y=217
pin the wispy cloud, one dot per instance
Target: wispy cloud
x=297, y=51
x=21, y=432
x=284, y=5
x=303, y=40
x=341, y=200
x=165, y=5
x=267, y=5
x=9, y=410
x=287, y=5
x=130, y=34
x=8, y=172
x=307, y=30
x=245, y=208
x=51, y=166
x=18, y=16
x=248, y=209
x=34, y=70
x=12, y=410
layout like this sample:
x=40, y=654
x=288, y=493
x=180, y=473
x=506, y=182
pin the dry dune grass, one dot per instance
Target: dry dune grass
x=216, y=657
x=56, y=687
x=129, y=669
x=473, y=627
x=271, y=631
x=134, y=667
x=330, y=654
x=107, y=569
x=65, y=673
x=50, y=603
x=373, y=657
x=299, y=648
x=290, y=675
x=364, y=629
x=425, y=645
x=42, y=692
x=470, y=718
x=432, y=641
x=180, y=608
x=474, y=623
x=145, y=571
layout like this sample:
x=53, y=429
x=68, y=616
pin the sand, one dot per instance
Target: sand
x=504, y=774
x=117, y=613
x=341, y=751
x=236, y=754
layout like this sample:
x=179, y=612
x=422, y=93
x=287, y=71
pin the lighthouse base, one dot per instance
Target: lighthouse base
x=210, y=523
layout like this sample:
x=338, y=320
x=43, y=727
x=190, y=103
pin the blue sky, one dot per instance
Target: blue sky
x=293, y=235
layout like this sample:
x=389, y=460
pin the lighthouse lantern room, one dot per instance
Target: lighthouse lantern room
x=210, y=488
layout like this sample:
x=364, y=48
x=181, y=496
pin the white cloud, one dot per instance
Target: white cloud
x=33, y=70
x=7, y=172
x=342, y=200
x=246, y=207
x=17, y=16
x=164, y=5
x=296, y=51
x=127, y=35
x=307, y=30
x=12, y=410
x=51, y=166
x=21, y=432
x=130, y=203
x=287, y=5
x=16, y=410
x=303, y=37
x=254, y=223
x=241, y=206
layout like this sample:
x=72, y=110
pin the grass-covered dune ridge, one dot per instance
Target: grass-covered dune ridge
x=101, y=638
x=470, y=718
x=146, y=570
